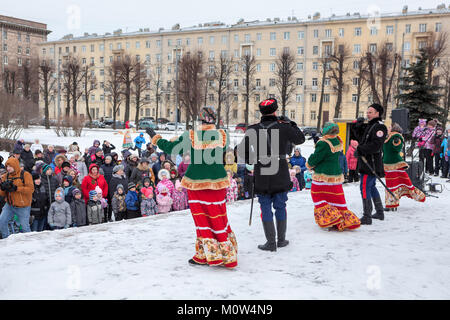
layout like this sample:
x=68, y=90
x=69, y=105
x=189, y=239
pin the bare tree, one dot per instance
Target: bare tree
x=10, y=79
x=46, y=85
x=222, y=71
x=285, y=77
x=127, y=77
x=191, y=82
x=73, y=78
x=113, y=87
x=66, y=88
x=339, y=68
x=29, y=78
x=89, y=84
x=362, y=84
x=380, y=78
x=248, y=67
x=156, y=81
x=445, y=73
x=325, y=68
x=435, y=48
x=140, y=89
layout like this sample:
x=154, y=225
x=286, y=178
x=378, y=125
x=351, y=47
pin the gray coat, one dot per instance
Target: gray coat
x=60, y=214
x=78, y=208
x=81, y=166
x=95, y=212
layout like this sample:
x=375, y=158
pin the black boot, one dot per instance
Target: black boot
x=367, y=215
x=269, y=231
x=193, y=262
x=379, y=209
x=281, y=233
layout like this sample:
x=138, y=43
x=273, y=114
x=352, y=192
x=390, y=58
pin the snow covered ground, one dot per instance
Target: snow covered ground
x=406, y=256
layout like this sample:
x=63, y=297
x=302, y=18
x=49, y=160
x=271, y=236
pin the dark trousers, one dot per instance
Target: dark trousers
x=368, y=187
x=118, y=216
x=427, y=154
x=437, y=163
x=445, y=167
x=38, y=224
x=353, y=176
x=278, y=201
x=132, y=214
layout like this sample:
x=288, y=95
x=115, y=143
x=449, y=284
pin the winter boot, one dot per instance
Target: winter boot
x=193, y=262
x=379, y=209
x=269, y=231
x=367, y=215
x=281, y=233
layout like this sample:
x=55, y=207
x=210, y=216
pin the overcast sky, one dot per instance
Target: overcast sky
x=99, y=16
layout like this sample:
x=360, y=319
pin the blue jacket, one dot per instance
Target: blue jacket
x=343, y=163
x=445, y=146
x=139, y=141
x=131, y=200
x=299, y=161
x=307, y=176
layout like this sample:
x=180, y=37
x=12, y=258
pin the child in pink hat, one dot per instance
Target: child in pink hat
x=179, y=197
x=148, y=204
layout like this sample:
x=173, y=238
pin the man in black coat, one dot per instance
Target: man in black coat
x=265, y=145
x=371, y=138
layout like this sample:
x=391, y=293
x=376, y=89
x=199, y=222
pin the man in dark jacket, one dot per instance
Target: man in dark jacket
x=50, y=183
x=27, y=158
x=371, y=138
x=39, y=205
x=107, y=147
x=266, y=145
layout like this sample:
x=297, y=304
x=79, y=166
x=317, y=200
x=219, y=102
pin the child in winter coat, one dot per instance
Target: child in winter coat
x=119, y=207
x=179, y=197
x=163, y=199
x=104, y=203
x=78, y=209
x=300, y=177
x=241, y=192
x=68, y=188
x=174, y=176
x=148, y=204
x=295, y=186
x=39, y=207
x=59, y=215
x=308, y=179
x=147, y=183
x=163, y=176
x=352, y=162
x=94, y=209
x=232, y=189
x=138, y=142
x=132, y=202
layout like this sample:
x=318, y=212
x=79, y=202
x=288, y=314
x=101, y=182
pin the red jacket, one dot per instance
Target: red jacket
x=352, y=161
x=90, y=182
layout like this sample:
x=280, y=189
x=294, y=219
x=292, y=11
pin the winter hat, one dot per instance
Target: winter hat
x=65, y=164
x=141, y=134
x=26, y=146
x=177, y=184
x=108, y=157
x=76, y=191
x=161, y=172
x=268, y=106
x=98, y=150
x=423, y=121
x=98, y=190
x=299, y=149
x=292, y=172
x=173, y=171
x=92, y=194
x=35, y=175
x=131, y=185
x=68, y=179
x=377, y=107
x=96, y=142
x=147, y=191
x=330, y=128
x=59, y=192
x=126, y=153
x=75, y=143
x=16, y=151
x=163, y=189
x=117, y=168
x=120, y=186
x=154, y=155
x=77, y=153
x=145, y=179
x=46, y=167
x=144, y=160
x=37, y=152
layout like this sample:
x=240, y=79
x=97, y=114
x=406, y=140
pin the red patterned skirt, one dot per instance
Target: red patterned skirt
x=400, y=184
x=330, y=207
x=216, y=243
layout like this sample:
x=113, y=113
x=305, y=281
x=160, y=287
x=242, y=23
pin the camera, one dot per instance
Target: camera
x=8, y=186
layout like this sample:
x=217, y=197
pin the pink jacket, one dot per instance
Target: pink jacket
x=352, y=161
x=180, y=200
x=232, y=191
x=169, y=185
x=164, y=203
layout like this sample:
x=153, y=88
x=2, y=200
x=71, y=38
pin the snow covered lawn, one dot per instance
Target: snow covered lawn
x=406, y=256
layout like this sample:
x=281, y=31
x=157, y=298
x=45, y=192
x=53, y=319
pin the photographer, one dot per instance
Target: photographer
x=17, y=187
x=272, y=180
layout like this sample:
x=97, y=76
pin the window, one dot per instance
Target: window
x=423, y=27
x=138, y=44
x=299, y=66
x=92, y=60
x=356, y=64
x=5, y=47
x=169, y=42
x=326, y=81
x=358, y=32
x=355, y=81
x=211, y=69
x=224, y=39
x=326, y=97
x=5, y=59
x=158, y=43
x=341, y=32
x=316, y=33
x=188, y=41
x=147, y=58
x=299, y=81
x=286, y=35
x=438, y=27
x=236, y=53
x=211, y=98
x=199, y=40
x=314, y=82
x=258, y=52
x=93, y=97
x=373, y=31
x=271, y=82
x=315, y=49
x=313, y=115
x=258, y=67
x=211, y=55
x=354, y=98
x=373, y=47
x=258, y=37
x=110, y=46
x=138, y=58
x=179, y=42
x=356, y=48
x=211, y=40
x=74, y=49
x=292, y=114
x=258, y=83
x=235, y=112
x=5, y=34
x=83, y=60
x=328, y=33
x=389, y=30
x=298, y=98
x=224, y=53
x=272, y=67
x=119, y=46
x=236, y=38
x=19, y=62
x=247, y=37
x=19, y=50
x=273, y=52
x=406, y=46
x=27, y=38
x=101, y=47
x=301, y=35
x=389, y=46
x=158, y=57
x=236, y=83
x=300, y=50
x=27, y=51
x=315, y=65
x=257, y=98
x=147, y=44
x=92, y=48
x=273, y=36
x=408, y=28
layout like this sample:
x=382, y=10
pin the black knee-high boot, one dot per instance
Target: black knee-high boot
x=269, y=231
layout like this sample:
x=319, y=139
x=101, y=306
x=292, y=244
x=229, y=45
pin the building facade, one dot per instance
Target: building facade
x=310, y=40
x=19, y=40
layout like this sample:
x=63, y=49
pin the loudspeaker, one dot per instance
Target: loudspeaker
x=401, y=116
x=415, y=173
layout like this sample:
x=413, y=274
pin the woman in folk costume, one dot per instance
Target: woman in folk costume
x=206, y=182
x=397, y=179
x=330, y=207
x=127, y=141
